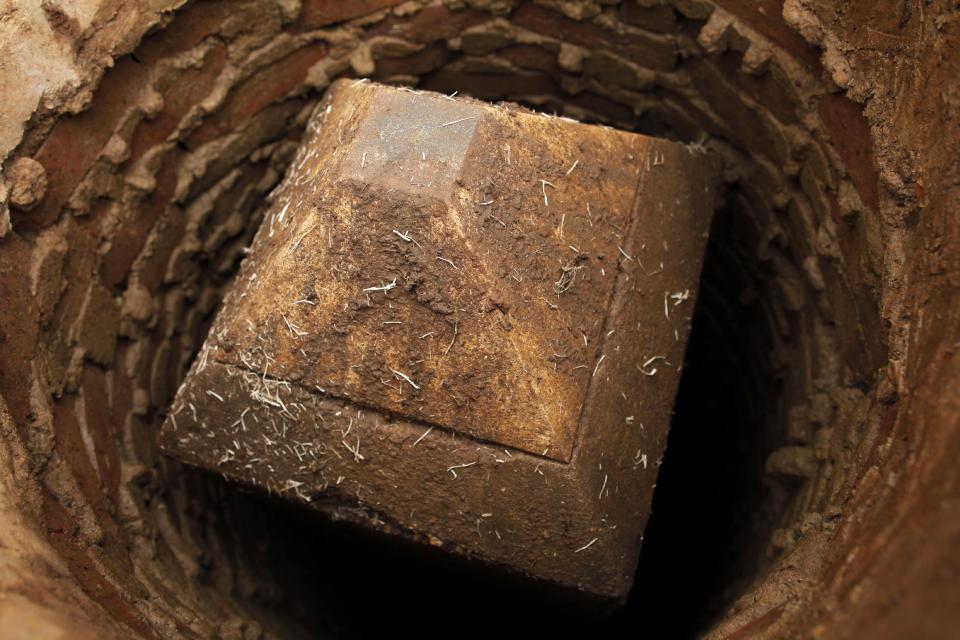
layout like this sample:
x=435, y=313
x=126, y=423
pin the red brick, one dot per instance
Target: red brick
x=19, y=326
x=76, y=141
x=190, y=87
x=318, y=13
x=228, y=202
x=616, y=111
x=264, y=87
x=491, y=86
x=149, y=348
x=704, y=122
x=73, y=450
x=850, y=133
x=161, y=387
x=47, y=273
x=102, y=425
x=82, y=234
x=169, y=234
x=136, y=222
x=656, y=53
x=98, y=324
x=529, y=56
x=431, y=58
x=860, y=337
x=660, y=18
x=681, y=125
x=765, y=88
x=191, y=25
x=62, y=530
x=745, y=123
x=766, y=17
x=271, y=124
x=120, y=390
x=430, y=24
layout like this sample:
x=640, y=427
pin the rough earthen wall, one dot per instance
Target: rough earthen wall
x=139, y=139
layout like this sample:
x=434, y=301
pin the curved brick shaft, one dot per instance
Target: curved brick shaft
x=463, y=324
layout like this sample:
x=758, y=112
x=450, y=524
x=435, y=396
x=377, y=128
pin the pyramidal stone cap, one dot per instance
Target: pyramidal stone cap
x=461, y=324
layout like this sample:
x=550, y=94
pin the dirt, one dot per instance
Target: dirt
x=837, y=122
x=27, y=183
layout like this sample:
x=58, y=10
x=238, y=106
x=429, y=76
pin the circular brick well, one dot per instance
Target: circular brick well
x=810, y=484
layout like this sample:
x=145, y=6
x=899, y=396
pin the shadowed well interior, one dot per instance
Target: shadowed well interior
x=186, y=136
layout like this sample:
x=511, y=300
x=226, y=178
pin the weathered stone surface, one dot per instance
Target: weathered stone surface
x=466, y=320
x=98, y=323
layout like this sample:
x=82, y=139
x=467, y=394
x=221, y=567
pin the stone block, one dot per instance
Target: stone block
x=462, y=324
